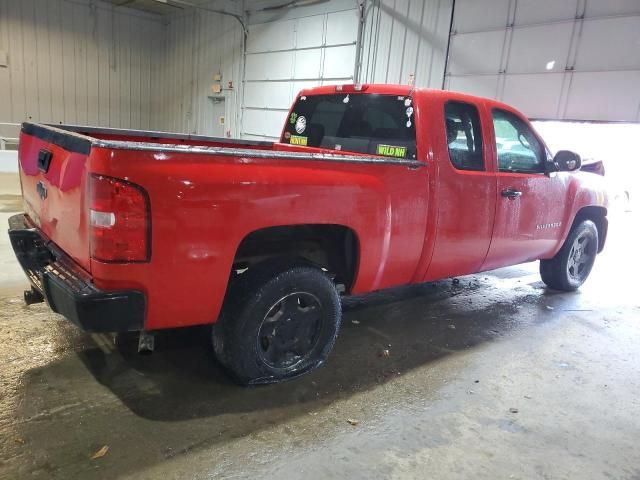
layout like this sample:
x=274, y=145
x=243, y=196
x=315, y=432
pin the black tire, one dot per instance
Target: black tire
x=571, y=266
x=280, y=320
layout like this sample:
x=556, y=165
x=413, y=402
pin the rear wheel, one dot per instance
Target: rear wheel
x=571, y=266
x=280, y=321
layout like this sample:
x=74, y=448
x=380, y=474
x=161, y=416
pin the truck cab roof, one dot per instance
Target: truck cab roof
x=403, y=90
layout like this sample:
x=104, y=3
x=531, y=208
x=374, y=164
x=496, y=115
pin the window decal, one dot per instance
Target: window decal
x=298, y=140
x=358, y=126
x=301, y=124
x=392, y=151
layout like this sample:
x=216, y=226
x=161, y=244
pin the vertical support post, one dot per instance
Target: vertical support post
x=446, y=53
x=359, y=40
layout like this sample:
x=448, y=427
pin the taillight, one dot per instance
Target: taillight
x=119, y=220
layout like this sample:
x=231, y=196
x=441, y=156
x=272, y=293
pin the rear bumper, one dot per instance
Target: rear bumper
x=68, y=289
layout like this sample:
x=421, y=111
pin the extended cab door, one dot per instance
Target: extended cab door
x=529, y=204
x=465, y=189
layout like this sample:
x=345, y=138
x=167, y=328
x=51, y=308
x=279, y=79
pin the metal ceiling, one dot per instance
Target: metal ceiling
x=162, y=7
x=149, y=6
x=168, y=7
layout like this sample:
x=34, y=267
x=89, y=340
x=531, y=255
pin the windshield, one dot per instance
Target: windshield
x=363, y=123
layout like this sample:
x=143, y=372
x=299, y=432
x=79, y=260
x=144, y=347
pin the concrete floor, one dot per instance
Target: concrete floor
x=494, y=377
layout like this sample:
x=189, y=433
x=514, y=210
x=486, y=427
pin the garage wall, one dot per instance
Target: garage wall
x=406, y=41
x=293, y=49
x=198, y=45
x=78, y=62
x=573, y=59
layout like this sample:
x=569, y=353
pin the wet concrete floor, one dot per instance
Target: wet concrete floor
x=491, y=377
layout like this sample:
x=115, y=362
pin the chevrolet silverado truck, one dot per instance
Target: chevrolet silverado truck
x=369, y=187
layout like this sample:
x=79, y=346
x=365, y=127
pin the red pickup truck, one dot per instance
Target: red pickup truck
x=369, y=187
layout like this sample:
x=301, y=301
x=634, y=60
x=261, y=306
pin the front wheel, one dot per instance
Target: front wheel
x=281, y=321
x=571, y=266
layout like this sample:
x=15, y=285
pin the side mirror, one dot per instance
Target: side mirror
x=567, y=161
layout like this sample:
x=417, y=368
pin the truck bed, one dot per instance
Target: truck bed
x=81, y=138
x=85, y=136
x=206, y=195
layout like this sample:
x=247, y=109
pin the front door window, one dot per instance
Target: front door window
x=519, y=150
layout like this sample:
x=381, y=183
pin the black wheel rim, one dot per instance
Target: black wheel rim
x=290, y=330
x=581, y=256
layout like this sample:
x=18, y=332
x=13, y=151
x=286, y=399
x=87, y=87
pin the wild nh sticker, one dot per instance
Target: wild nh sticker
x=391, y=151
x=296, y=140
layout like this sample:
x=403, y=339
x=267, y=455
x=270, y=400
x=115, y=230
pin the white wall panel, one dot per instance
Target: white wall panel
x=263, y=123
x=481, y=85
x=6, y=105
x=612, y=7
x=77, y=62
x=404, y=40
x=539, y=11
x=277, y=68
x=307, y=63
x=398, y=36
x=379, y=31
x=8, y=161
x=592, y=96
x=537, y=94
x=610, y=44
x=570, y=59
x=551, y=42
x=253, y=122
x=270, y=66
x=310, y=31
x=29, y=28
x=474, y=15
x=340, y=27
x=267, y=37
x=88, y=62
x=200, y=45
x=267, y=95
x=274, y=121
x=411, y=43
x=301, y=85
x=476, y=52
x=257, y=14
x=339, y=62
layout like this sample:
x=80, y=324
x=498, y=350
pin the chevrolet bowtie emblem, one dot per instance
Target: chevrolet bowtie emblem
x=42, y=190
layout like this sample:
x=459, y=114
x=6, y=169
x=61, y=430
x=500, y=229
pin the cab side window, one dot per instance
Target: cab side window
x=464, y=136
x=519, y=150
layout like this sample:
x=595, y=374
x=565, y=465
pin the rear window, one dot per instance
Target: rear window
x=363, y=123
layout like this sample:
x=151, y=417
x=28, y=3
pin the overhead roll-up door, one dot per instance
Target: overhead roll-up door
x=569, y=60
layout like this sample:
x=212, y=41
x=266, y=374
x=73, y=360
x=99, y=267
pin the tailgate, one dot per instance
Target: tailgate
x=53, y=173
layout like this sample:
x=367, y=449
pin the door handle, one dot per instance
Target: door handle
x=510, y=193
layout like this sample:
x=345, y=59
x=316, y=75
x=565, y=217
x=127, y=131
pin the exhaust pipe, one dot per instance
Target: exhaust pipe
x=146, y=342
x=33, y=296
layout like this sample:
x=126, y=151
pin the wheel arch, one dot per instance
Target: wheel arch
x=333, y=247
x=598, y=215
